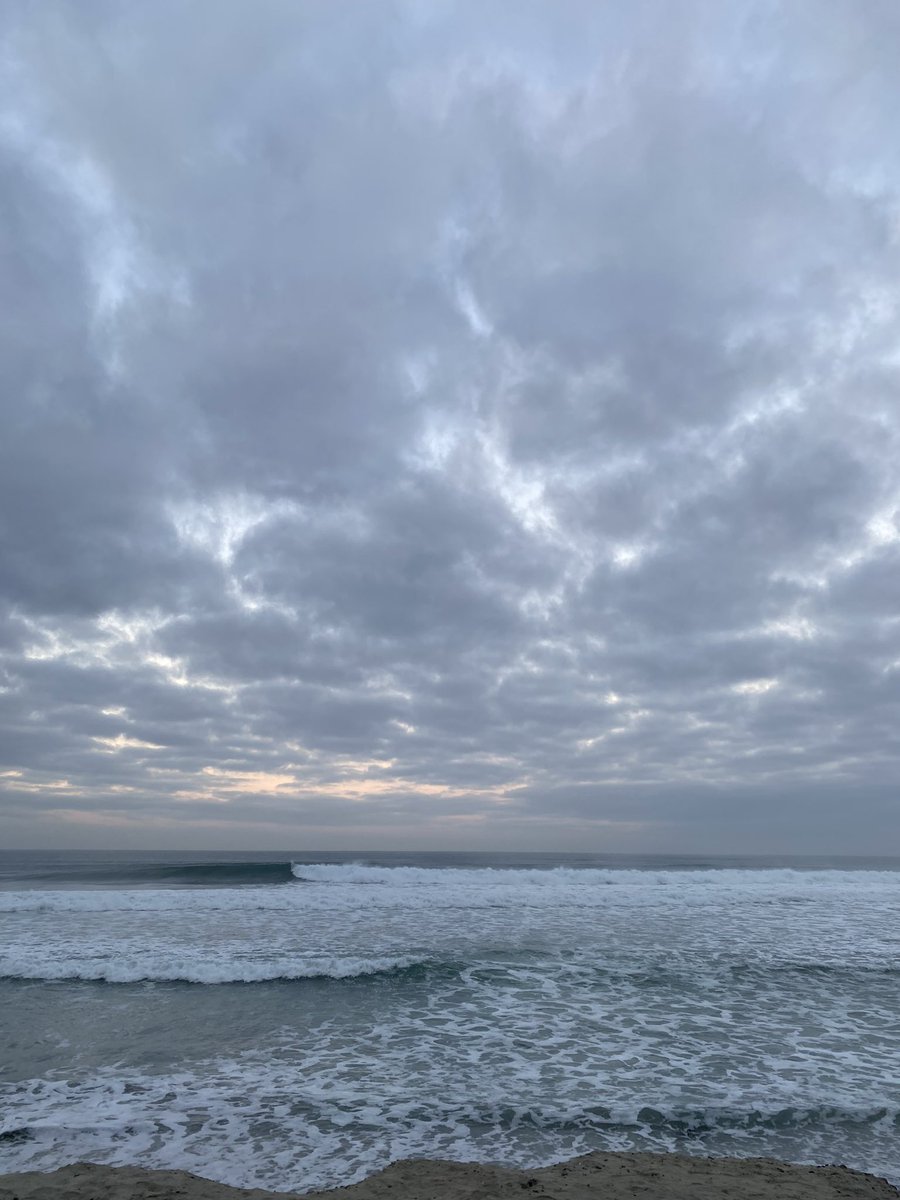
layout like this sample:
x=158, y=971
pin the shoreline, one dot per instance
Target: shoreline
x=613, y=1176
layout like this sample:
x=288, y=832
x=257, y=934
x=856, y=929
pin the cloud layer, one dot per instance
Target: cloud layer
x=461, y=424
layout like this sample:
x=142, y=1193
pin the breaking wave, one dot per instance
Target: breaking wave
x=217, y=972
x=589, y=877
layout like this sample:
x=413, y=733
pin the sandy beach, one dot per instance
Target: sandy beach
x=612, y=1176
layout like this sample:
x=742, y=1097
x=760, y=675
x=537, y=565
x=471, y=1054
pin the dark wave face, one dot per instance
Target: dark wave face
x=214, y=874
x=92, y=873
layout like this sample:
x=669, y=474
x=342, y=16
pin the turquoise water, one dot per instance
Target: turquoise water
x=295, y=1023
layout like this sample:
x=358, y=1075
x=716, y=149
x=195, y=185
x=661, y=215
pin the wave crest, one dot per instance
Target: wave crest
x=215, y=972
x=769, y=878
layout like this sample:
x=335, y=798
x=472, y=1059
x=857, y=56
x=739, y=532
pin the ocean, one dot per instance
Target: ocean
x=298, y=1021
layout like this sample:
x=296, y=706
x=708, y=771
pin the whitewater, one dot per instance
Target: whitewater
x=292, y=1023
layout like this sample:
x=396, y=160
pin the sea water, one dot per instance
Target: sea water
x=300, y=1022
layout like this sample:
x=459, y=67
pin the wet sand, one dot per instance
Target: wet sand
x=611, y=1176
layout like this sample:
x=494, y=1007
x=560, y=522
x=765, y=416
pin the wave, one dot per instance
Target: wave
x=163, y=874
x=220, y=972
x=222, y=874
x=589, y=877
x=199, y=875
x=503, y=969
x=320, y=887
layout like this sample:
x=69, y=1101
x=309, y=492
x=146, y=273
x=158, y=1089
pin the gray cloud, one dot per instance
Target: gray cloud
x=450, y=425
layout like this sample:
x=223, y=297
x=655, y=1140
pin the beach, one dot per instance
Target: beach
x=611, y=1176
x=298, y=1023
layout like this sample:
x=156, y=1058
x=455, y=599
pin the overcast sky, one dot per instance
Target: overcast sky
x=450, y=424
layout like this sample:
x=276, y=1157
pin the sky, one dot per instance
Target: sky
x=450, y=424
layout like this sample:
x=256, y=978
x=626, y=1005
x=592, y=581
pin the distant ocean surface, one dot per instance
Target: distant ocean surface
x=294, y=1021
